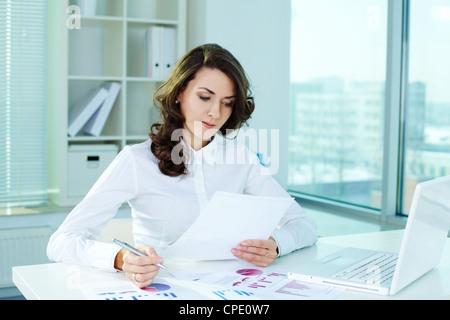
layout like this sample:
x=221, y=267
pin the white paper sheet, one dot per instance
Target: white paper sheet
x=227, y=220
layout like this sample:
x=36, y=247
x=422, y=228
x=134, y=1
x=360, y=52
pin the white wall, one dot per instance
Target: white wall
x=257, y=32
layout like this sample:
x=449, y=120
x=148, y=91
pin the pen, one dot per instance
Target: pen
x=135, y=251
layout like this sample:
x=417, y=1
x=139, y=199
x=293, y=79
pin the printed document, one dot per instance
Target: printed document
x=227, y=220
x=229, y=280
x=239, y=280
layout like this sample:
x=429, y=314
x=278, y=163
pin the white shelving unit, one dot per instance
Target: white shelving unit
x=107, y=47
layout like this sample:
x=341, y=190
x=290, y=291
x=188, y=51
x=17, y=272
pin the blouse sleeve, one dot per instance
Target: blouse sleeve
x=76, y=240
x=296, y=228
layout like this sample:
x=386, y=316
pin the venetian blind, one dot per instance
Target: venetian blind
x=23, y=173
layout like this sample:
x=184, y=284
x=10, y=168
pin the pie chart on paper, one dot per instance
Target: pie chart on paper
x=156, y=287
x=249, y=272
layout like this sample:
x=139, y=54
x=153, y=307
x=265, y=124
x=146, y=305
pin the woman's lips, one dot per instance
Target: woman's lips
x=208, y=125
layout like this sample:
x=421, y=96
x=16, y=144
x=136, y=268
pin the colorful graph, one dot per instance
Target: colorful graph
x=295, y=288
x=231, y=294
x=257, y=279
x=122, y=295
x=156, y=287
x=249, y=272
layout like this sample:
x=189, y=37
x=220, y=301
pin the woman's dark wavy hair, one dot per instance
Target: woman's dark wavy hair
x=165, y=98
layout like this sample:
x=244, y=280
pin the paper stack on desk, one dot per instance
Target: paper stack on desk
x=227, y=220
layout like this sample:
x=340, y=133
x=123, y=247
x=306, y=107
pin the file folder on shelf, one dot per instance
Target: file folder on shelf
x=169, y=55
x=83, y=111
x=96, y=123
x=159, y=51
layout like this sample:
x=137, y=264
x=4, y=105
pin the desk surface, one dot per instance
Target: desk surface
x=60, y=281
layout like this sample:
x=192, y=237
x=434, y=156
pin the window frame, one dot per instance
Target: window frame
x=395, y=93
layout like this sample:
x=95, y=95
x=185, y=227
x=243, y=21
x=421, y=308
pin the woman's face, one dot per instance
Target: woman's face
x=206, y=104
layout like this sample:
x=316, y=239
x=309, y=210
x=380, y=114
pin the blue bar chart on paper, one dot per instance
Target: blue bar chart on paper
x=230, y=294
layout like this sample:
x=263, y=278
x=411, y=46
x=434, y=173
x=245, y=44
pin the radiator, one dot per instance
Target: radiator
x=20, y=247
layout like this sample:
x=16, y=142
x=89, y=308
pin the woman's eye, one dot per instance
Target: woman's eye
x=204, y=98
x=228, y=104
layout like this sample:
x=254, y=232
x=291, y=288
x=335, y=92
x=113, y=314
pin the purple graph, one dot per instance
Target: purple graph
x=249, y=272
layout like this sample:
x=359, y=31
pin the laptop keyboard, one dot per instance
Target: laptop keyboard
x=377, y=269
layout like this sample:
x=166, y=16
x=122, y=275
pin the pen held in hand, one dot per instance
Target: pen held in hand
x=135, y=251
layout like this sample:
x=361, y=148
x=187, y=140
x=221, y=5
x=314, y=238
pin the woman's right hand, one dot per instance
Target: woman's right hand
x=140, y=270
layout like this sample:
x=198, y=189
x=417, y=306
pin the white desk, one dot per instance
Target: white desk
x=60, y=281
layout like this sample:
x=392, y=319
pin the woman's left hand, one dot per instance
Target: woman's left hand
x=258, y=252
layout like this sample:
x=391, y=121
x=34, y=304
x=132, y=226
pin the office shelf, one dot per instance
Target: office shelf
x=106, y=47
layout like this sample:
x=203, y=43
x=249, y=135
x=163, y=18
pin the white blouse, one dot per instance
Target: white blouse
x=163, y=207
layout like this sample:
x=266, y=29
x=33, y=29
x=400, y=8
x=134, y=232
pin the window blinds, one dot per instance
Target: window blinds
x=23, y=173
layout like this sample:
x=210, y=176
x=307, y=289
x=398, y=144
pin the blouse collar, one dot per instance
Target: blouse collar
x=206, y=154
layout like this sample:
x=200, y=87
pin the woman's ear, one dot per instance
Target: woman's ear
x=179, y=98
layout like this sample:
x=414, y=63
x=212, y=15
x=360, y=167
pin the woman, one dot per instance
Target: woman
x=168, y=179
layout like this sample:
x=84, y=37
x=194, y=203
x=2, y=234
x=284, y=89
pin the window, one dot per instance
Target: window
x=426, y=147
x=344, y=145
x=23, y=173
x=338, y=63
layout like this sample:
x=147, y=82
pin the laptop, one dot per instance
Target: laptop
x=386, y=273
